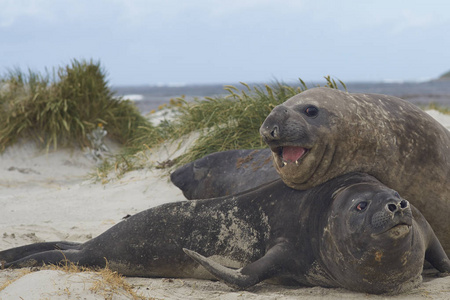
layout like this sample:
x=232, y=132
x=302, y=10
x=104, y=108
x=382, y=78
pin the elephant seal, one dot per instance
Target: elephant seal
x=323, y=133
x=225, y=173
x=351, y=232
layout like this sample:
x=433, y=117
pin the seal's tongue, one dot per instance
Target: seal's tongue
x=292, y=154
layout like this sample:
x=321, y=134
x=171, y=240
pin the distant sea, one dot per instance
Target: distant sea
x=148, y=98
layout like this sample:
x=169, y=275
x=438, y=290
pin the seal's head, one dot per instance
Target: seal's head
x=371, y=228
x=225, y=173
x=373, y=210
x=323, y=133
x=194, y=178
x=299, y=133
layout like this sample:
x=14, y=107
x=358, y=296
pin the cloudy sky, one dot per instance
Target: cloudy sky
x=226, y=41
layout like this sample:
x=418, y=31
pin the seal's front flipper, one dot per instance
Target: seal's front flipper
x=231, y=277
x=434, y=252
x=266, y=267
x=436, y=255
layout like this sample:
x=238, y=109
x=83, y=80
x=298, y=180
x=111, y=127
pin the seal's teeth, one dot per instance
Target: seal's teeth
x=296, y=162
x=284, y=163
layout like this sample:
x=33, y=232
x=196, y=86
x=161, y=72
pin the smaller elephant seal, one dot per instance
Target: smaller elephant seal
x=225, y=173
x=351, y=232
x=323, y=133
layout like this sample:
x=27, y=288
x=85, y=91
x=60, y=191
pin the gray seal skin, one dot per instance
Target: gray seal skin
x=323, y=133
x=352, y=232
x=225, y=173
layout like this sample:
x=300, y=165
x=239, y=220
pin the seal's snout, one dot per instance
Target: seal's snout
x=397, y=205
x=270, y=129
x=395, y=211
x=270, y=133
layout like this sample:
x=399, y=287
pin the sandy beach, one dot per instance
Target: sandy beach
x=51, y=197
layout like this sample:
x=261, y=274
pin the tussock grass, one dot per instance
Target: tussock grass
x=60, y=109
x=223, y=123
x=228, y=122
x=443, y=109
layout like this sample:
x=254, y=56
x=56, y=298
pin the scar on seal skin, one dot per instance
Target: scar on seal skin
x=323, y=133
x=351, y=232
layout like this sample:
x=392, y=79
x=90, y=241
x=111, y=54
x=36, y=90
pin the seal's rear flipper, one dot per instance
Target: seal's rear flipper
x=266, y=267
x=17, y=253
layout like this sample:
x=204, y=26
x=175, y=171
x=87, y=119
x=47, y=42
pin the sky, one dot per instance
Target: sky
x=175, y=42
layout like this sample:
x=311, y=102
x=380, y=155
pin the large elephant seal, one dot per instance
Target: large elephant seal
x=323, y=133
x=225, y=173
x=351, y=232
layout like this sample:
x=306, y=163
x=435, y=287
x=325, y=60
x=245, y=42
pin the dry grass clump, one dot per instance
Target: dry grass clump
x=106, y=282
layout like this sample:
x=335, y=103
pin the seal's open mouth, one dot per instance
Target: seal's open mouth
x=290, y=154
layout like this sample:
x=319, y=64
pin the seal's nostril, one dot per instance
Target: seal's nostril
x=392, y=207
x=275, y=132
x=404, y=204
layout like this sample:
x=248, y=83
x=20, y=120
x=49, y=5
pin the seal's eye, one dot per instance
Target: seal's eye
x=311, y=111
x=361, y=206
